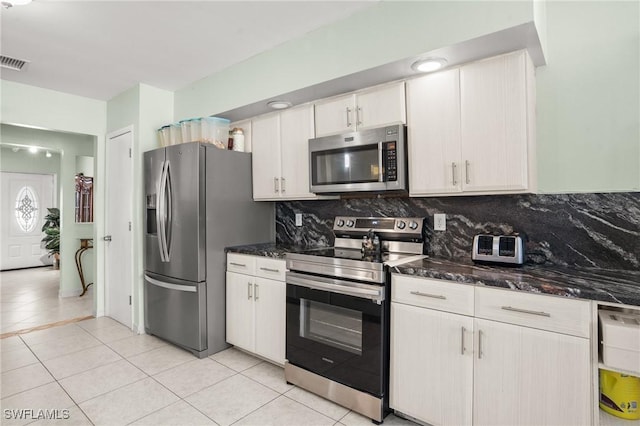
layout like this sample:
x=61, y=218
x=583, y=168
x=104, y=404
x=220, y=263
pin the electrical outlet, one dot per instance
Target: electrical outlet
x=298, y=219
x=440, y=222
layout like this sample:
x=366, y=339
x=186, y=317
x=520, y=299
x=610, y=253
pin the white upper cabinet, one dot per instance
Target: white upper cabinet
x=281, y=155
x=472, y=129
x=266, y=156
x=296, y=128
x=380, y=106
x=433, y=117
x=496, y=106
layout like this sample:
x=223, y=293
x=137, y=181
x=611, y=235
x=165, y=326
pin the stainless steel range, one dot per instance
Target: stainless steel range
x=338, y=311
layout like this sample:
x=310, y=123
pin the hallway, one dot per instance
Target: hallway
x=29, y=298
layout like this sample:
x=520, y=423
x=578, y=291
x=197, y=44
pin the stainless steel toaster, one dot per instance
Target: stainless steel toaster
x=507, y=249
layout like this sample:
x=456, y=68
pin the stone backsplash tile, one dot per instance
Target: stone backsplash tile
x=589, y=230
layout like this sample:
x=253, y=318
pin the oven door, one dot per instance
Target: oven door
x=335, y=329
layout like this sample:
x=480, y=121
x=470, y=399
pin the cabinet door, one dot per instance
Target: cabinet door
x=431, y=373
x=494, y=124
x=433, y=116
x=296, y=128
x=270, y=307
x=240, y=310
x=381, y=106
x=525, y=376
x=266, y=157
x=335, y=116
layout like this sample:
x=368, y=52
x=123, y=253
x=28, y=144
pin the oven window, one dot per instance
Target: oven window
x=352, y=165
x=331, y=325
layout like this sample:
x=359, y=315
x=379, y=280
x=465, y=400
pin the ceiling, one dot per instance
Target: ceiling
x=99, y=49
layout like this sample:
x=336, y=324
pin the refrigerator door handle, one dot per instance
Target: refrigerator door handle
x=160, y=213
x=168, y=218
x=169, y=286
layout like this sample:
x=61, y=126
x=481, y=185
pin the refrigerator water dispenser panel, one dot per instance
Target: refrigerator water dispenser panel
x=152, y=225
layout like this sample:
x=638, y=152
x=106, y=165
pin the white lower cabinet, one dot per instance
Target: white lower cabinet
x=524, y=376
x=449, y=367
x=431, y=365
x=256, y=306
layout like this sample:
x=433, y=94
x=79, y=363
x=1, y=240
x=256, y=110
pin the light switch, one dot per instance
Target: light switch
x=440, y=222
x=298, y=219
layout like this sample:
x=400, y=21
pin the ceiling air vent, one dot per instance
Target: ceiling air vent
x=13, y=63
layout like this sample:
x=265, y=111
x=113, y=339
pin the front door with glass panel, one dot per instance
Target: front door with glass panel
x=25, y=199
x=337, y=336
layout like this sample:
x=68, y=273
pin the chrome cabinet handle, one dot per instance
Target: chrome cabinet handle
x=480, y=344
x=282, y=187
x=249, y=292
x=462, y=348
x=242, y=265
x=269, y=269
x=349, y=123
x=107, y=238
x=255, y=297
x=358, y=111
x=433, y=296
x=453, y=174
x=526, y=311
x=275, y=185
x=466, y=171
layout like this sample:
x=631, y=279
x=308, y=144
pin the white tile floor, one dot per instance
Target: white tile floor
x=29, y=298
x=106, y=375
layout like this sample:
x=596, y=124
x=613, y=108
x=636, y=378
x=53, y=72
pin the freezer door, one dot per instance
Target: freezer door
x=181, y=217
x=175, y=310
x=153, y=167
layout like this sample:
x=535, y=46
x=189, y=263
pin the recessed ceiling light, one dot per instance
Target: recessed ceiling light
x=279, y=104
x=33, y=149
x=48, y=154
x=429, y=64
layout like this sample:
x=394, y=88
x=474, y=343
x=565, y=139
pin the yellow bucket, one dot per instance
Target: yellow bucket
x=620, y=394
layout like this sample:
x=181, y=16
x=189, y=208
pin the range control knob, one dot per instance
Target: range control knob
x=350, y=223
x=340, y=222
x=413, y=224
x=401, y=224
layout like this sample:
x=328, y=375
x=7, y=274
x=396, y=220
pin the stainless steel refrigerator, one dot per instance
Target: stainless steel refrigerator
x=198, y=201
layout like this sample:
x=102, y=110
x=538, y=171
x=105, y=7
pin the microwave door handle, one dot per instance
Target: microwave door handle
x=380, y=169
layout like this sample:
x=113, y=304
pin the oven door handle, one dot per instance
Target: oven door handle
x=376, y=293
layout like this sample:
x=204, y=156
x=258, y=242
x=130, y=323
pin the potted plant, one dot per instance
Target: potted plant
x=51, y=228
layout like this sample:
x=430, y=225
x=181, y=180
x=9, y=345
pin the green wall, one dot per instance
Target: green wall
x=587, y=114
x=588, y=98
x=145, y=109
x=75, y=117
x=25, y=162
x=68, y=146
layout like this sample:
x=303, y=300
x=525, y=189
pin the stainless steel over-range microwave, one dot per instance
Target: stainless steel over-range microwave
x=373, y=160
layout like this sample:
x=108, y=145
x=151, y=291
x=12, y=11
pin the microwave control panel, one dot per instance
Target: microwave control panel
x=390, y=161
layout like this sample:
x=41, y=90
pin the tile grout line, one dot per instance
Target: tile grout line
x=58, y=383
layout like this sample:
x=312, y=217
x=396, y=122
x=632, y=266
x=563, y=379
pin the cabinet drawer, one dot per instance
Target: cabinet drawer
x=271, y=268
x=551, y=313
x=430, y=293
x=241, y=263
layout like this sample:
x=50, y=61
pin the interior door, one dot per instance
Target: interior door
x=118, y=224
x=25, y=199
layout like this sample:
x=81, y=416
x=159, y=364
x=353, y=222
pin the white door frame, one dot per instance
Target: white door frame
x=100, y=240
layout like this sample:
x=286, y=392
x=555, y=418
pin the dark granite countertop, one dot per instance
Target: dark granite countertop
x=615, y=286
